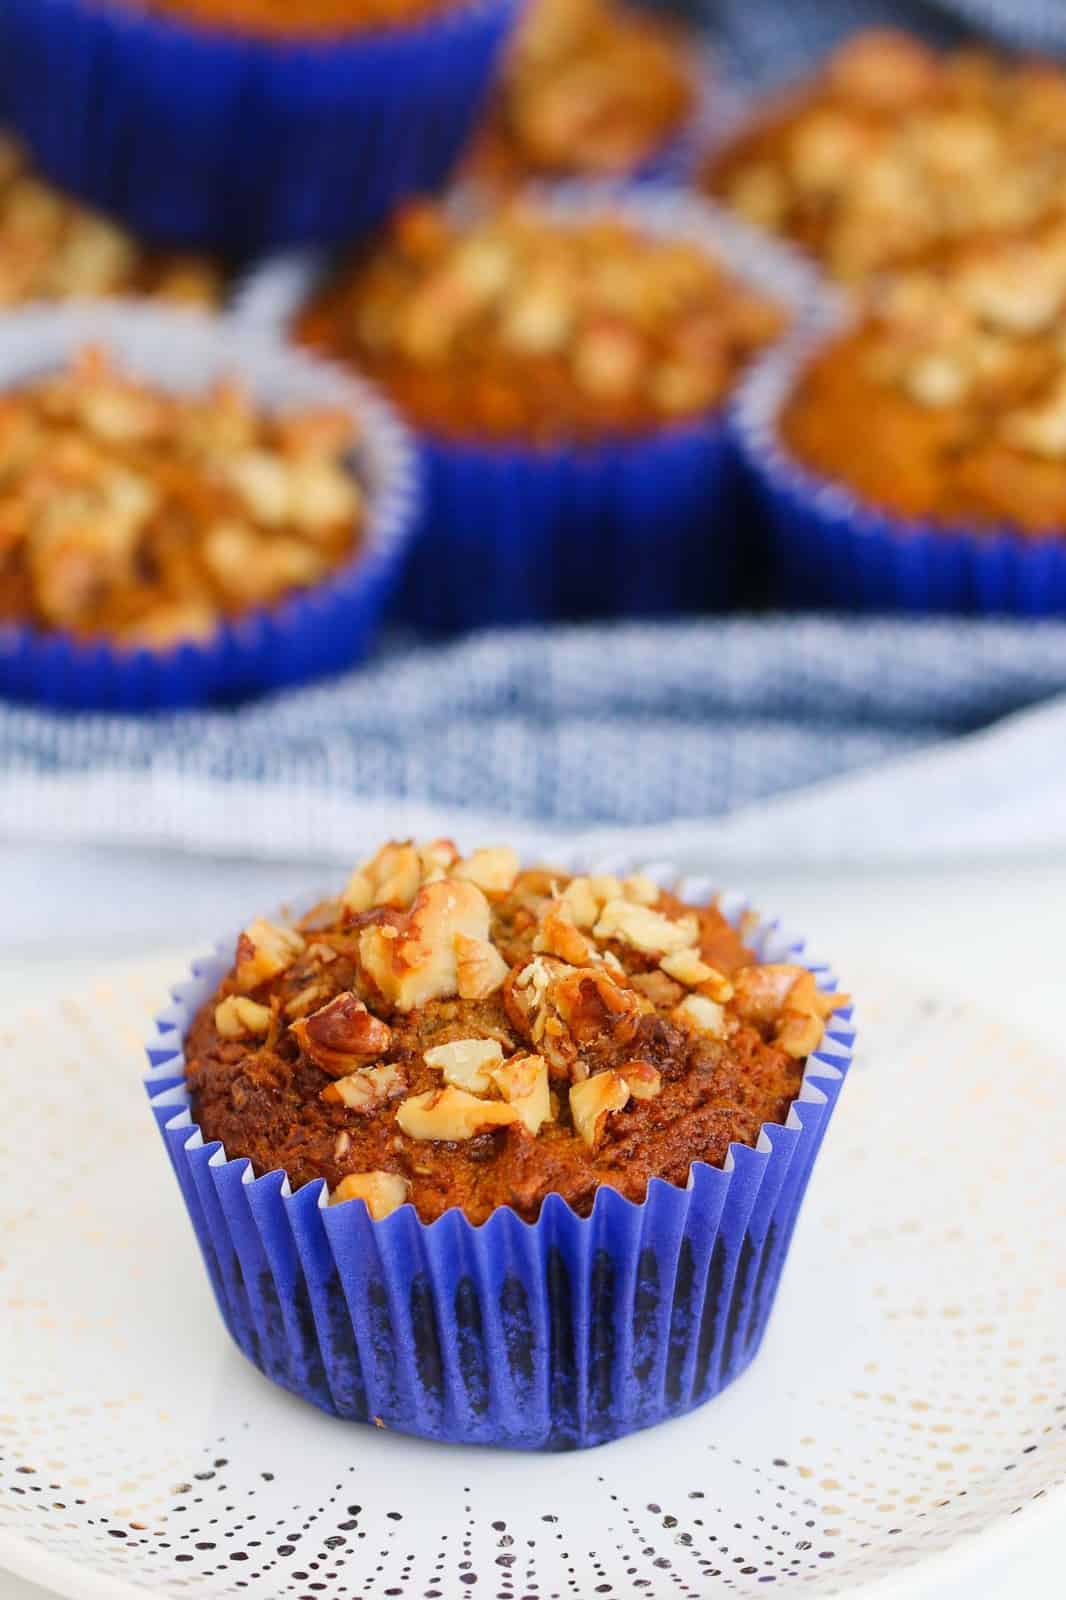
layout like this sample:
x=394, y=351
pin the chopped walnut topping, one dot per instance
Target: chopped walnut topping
x=640, y=890
x=493, y=870
x=384, y=1192
x=704, y=1015
x=645, y=1081
x=762, y=991
x=689, y=968
x=416, y=962
x=367, y=1089
x=580, y=902
x=467, y=1063
x=237, y=1017
x=523, y=1083
x=263, y=951
x=307, y=1000
x=592, y=1102
x=391, y=878
x=451, y=1114
x=557, y=936
x=643, y=928
x=437, y=859
x=788, y=999
x=480, y=968
x=342, y=1036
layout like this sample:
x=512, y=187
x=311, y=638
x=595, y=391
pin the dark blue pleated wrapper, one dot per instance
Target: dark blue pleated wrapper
x=313, y=633
x=208, y=138
x=552, y=1335
x=827, y=549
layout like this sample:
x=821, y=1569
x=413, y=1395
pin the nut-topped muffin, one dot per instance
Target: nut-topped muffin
x=144, y=517
x=459, y=1033
x=958, y=373
x=520, y=325
x=590, y=87
x=302, y=18
x=54, y=248
x=891, y=149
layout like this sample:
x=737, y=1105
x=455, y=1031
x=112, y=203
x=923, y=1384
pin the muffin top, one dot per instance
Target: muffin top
x=145, y=517
x=892, y=149
x=589, y=87
x=295, y=19
x=52, y=248
x=959, y=375
x=518, y=326
x=463, y=1034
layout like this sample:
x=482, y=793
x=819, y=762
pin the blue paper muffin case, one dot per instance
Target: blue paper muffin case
x=204, y=137
x=552, y=1335
x=318, y=631
x=651, y=526
x=830, y=550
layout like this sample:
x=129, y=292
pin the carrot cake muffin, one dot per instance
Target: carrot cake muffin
x=520, y=326
x=54, y=248
x=460, y=1033
x=301, y=18
x=892, y=148
x=589, y=87
x=957, y=376
x=145, y=518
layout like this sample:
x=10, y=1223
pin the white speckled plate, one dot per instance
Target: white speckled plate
x=907, y=1409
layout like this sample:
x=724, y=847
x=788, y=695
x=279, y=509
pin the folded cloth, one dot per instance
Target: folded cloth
x=575, y=728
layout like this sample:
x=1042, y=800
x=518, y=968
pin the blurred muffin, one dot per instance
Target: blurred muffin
x=53, y=248
x=958, y=374
x=145, y=518
x=589, y=88
x=522, y=326
x=301, y=18
x=892, y=149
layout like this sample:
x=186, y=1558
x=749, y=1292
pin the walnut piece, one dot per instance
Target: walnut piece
x=237, y=1017
x=342, y=1036
x=523, y=1083
x=643, y=928
x=705, y=1016
x=689, y=968
x=263, y=951
x=493, y=870
x=480, y=968
x=557, y=936
x=390, y=878
x=384, y=1192
x=417, y=961
x=644, y=1080
x=452, y=1114
x=641, y=891
x=580, y=903
x=367, y=1088
x=592, y=1102
x=466, y=1063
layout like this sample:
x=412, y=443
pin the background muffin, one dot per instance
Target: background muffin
x=501, y=1067
x=589, y=88
x=567, y=360
x=892, y=149
x=201, y=514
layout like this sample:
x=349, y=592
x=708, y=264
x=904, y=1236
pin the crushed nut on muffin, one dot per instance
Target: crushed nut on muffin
x=958, y=370
x=586, y=1066
x=589, y=87
x=518, y=325
x=891, y=150
x=54, y=248
x=146, y=518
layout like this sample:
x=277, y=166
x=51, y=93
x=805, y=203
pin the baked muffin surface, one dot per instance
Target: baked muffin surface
x=892, y=149
x=145, y=518
x=589, y=87
x=463, y=1034
x=518, y=326
x=958, y=374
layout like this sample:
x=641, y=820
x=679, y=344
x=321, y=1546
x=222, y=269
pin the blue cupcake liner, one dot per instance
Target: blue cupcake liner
x=202, y=137
x=553, y=1335
x=318, y=631
x=647, y=526
x=830, y=549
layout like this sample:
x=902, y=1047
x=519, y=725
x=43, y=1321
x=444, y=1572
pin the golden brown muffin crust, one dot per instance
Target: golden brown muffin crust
x=464, y=1034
